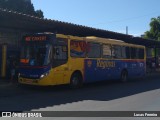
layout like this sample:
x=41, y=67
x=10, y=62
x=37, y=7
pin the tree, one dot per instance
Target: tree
x=39, y=13
x=154, y=32
x=23, y=6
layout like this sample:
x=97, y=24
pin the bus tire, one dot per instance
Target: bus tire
x=124, y=76
x=76, y=80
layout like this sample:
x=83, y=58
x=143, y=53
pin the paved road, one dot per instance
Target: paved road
x=135, y=95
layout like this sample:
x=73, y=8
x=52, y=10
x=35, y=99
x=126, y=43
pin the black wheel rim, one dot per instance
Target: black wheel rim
x=75, y=81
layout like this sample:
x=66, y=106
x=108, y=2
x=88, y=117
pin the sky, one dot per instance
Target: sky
x=112, y=15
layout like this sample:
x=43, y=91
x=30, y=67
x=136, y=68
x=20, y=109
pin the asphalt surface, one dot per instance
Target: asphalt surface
x=135, y=95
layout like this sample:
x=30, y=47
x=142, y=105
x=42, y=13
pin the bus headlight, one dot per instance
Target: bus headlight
x=43, y=75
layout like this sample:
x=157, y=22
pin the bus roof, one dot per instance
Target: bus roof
x=93, y=38
x=110, y=41
x=99, y=40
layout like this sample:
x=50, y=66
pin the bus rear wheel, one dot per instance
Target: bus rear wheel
x=76, y=81
x=124, y=76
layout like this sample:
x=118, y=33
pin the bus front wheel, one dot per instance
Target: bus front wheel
x=76, y=80
x=124, y=76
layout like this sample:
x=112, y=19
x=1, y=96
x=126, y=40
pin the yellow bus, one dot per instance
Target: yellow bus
x=56, y=59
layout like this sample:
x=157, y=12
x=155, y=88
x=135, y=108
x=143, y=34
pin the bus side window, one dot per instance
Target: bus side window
x=78, y=48
x=127, y=52
x=141, y=53
x=60, y=55
x=123, y=52
x=116, y=51
x=135, y=53
x=95, y=50
x=106, y=51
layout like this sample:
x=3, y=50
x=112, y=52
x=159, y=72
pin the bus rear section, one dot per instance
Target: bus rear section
x=114, y=60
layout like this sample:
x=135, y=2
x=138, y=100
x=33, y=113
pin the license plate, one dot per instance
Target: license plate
x=28, y=81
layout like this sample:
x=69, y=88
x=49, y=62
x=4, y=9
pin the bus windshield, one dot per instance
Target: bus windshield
x=33, y=54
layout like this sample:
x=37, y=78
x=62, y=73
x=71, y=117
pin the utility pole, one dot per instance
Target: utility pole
x=127, y=30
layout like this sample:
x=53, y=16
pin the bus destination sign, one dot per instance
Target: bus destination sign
x=35, y=38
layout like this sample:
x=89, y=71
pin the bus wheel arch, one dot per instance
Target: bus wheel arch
x=124, y=75
x=76, y=79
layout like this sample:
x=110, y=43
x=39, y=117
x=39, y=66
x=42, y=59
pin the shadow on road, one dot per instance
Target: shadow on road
x=28, y=98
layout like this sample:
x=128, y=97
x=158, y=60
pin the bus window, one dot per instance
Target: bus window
x=116, y=52
x=95, y=50
x=141, y=53
x=78, y=48
x=133, y=53
x=127, y=52
x=48, y=57
x=123, y=52
x=137, y=53
x=106, y=51
x=36, y=54
x=60, y=53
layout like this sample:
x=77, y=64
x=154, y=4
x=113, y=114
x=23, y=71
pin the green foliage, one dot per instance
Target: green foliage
x=154, y=32
x=23, y=6
x=39, y=13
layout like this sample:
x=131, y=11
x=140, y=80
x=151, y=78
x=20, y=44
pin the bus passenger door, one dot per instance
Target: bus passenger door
x=59, y=63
